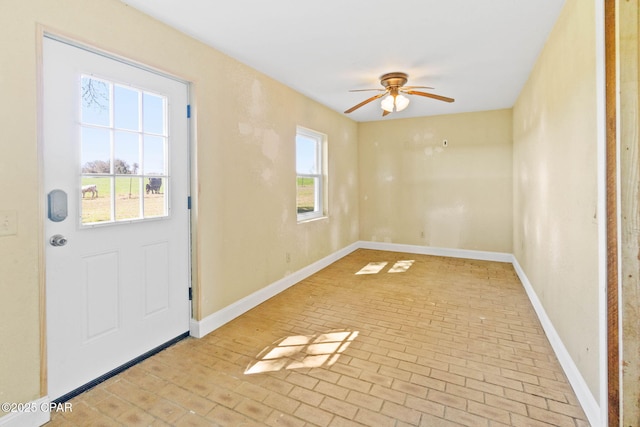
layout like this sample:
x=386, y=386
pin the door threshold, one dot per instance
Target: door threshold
x=88, y=386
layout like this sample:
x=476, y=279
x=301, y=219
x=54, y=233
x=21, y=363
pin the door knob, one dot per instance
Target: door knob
x=58, y=240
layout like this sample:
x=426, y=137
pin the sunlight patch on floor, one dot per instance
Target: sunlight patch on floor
x=372, y=268
x=302, y=351
x=377, y=267
x=401, y=266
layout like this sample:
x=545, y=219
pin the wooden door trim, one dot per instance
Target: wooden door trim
x=613, y=346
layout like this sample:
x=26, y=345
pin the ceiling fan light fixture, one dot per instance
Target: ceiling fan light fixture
x=393, y=84
x=387, y=104
x=401, y=102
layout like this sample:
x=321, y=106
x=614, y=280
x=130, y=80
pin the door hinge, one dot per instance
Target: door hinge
x=189, y=202
x=188, y=111
x=190, y=294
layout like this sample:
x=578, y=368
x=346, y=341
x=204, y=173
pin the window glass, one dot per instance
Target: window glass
x=310, y=176
x=155, y=202
x=96, y=101
x=154, y=116
x=306, y=155
x=154, y=155
x=127, y=198
x=95, y=150
x=126, y=153
x=306, y=196
x=96, y=199
x=124, y=172
x=126, y=110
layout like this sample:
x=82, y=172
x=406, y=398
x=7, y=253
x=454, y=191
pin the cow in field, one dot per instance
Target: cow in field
x=154, y=185
x=93, y=189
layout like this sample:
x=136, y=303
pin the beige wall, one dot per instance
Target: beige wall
x=245, y=215
x=413, y=190
x=555, y=188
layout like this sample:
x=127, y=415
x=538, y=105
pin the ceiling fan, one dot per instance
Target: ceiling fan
x=394, y=85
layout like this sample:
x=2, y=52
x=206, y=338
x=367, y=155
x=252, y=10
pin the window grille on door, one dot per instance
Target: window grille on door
x=123, y=151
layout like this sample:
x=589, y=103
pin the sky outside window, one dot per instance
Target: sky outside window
x=306, y=155
x=134, y=111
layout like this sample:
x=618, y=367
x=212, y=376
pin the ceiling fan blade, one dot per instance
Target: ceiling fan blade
x=366, y=101
x=430, y=95
x=404, y=88
x=366, y=90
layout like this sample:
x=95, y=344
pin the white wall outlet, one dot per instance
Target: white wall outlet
x=8, y=223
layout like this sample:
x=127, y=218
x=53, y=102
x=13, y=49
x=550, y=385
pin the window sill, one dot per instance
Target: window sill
x=312, y=219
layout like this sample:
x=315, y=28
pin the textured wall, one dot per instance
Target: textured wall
x=414, y=190
x=555, y=187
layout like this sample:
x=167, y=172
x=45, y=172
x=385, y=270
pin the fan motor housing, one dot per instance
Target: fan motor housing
x=396, y=79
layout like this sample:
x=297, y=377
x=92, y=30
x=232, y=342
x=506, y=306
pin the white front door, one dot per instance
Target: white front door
x=115, y=158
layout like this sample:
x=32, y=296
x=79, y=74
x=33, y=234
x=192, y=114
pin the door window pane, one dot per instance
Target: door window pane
x=127, y=198
x=126, y=109
x=96, y=200
x=154, y=155
x=154, y=114
x=155, y=202
x=96, y=150
x=126, y=153
x=96, y=101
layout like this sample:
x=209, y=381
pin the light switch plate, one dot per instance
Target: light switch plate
x=8, y=223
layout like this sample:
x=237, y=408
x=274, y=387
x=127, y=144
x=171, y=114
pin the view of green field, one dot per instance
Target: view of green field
x=306, y=195
x=128, y=204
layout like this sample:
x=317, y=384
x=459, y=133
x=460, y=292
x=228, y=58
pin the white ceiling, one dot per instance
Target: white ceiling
x=479, y=52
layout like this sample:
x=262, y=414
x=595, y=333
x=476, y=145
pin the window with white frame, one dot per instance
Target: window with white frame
x=310, y=176
x=124, y=141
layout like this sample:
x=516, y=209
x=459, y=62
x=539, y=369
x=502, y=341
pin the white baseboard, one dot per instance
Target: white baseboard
x=212, y=322
x=589, y=404
x=587, y=400
x=34, y=413
x=447, y=252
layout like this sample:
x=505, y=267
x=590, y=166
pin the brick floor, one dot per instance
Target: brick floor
x=444, y=342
